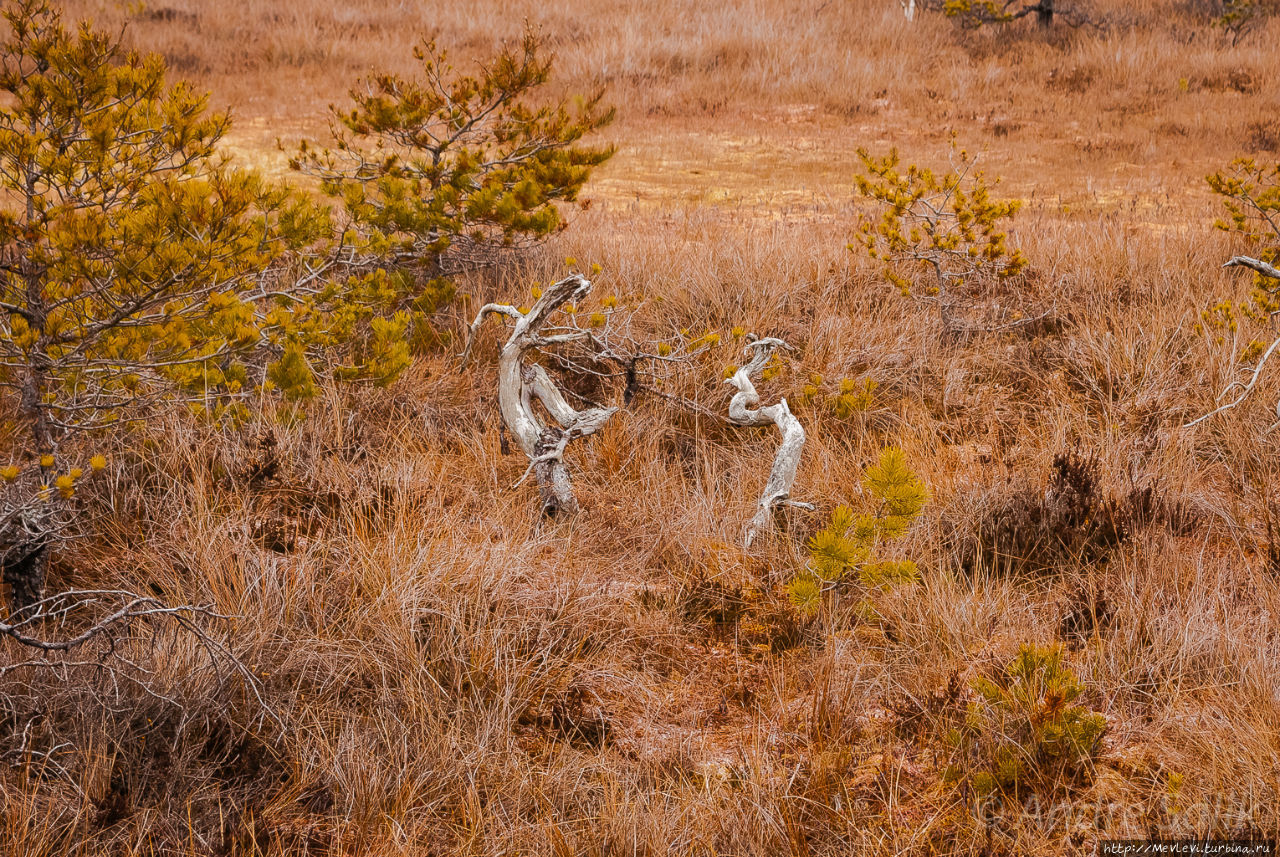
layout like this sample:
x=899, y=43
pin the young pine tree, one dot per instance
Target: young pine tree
x=940, y=236
x=128, y=252
x=848, y=550
x=1025, y=731
x=441, y=173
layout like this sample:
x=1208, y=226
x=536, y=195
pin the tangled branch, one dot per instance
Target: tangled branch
x=107, y=640
x=519, y=385
x=1246, y=387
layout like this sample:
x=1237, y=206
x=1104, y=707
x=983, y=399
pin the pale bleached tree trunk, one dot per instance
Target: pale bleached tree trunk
x=909, y=9
x=520, y=385
x=777, y=491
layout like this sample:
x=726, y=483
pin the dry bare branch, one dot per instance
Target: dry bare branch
x=1246, y=388
x=1254, y=264
x=113, y=618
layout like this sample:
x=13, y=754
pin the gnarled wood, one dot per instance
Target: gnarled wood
x=777, y=491
x=519, y=385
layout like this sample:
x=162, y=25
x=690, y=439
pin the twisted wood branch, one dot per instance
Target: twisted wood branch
x=1246, y=388
x=777, y=491
x=520, y=385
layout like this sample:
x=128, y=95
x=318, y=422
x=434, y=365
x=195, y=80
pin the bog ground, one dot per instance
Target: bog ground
x=444, y=671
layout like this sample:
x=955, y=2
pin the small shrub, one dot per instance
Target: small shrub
x=846, y=551
x=854, y=397
x=135, y=257
x=1251, y=195
x=975, y=13
x=438, y=175
x=941, y=236
x=849, y=398
x=1027, y=528
x=1024, y=733
x=1238, y=17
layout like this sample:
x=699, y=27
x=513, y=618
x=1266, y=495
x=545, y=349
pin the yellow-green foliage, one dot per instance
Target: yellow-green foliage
x=292, y=373
x=851, y=396
x=132, y=252
x=854, y=397
x=1238, y=17
x=847, y=549
x=340, y=323
x=49, y=473
x=1251, y=194
x=1024, y=731
x=975, y=13
x=944, y=227
x=439, y=173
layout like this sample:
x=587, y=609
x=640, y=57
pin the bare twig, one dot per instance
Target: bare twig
x=115, y=614
x=1266, y=270
x=1247, y=387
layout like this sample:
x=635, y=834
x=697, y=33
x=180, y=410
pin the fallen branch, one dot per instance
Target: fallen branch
x=115, y=618
x=1247, y=388
x=777, y=491
x=1266, y=270
x=1254, y=264
x=519, y=385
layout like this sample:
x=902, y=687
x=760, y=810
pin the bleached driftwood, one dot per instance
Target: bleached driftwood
x=519, y=385
x=1254, y=264
x=777, y=491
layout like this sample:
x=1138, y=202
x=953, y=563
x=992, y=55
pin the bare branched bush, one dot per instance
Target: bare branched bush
x=1029, y=528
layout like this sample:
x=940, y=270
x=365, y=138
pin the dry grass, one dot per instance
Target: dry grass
x=456, y=676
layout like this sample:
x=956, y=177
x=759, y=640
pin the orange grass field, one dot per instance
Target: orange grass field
x=453, y=675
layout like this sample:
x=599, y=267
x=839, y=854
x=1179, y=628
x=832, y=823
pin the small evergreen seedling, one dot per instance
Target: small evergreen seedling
x=854, y=397
x=847, y=549
x=1025, y=732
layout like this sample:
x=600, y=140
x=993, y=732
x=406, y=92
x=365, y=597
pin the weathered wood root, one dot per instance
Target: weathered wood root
x=519, y=385
x=777, y=491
